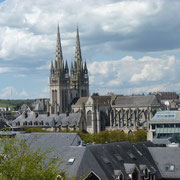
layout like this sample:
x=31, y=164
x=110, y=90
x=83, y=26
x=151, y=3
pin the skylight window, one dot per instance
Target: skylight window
x=165, y=115
x=106, y=160
x=169, y=168
x=118, y=157
x=71, y=161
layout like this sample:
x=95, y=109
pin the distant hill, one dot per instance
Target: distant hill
x=15, y=102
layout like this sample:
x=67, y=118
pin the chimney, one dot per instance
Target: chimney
x=67, y=113
x=25, y=114
x=36, y=114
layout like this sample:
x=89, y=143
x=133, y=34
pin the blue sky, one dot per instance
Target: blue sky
x=130, y=46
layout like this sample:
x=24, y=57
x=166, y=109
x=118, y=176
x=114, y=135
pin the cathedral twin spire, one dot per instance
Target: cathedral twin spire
x=59, y=62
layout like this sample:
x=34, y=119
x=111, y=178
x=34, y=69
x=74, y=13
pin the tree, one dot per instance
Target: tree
x=95, y=94
x=20, y=161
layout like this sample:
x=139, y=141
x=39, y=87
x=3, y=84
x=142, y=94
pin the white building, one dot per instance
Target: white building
x=164, y=124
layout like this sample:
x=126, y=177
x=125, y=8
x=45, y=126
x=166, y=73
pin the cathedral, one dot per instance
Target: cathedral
x=65, y=84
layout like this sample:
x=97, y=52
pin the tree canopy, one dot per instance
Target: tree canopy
x=20, y=161
x=114, y=136
x=95, y=94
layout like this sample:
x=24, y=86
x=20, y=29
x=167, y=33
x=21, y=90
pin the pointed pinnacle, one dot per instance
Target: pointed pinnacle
x=85, y=66
x=66, y=66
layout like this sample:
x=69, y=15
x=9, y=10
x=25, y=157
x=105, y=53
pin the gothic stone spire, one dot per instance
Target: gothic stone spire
x=52, y=68
x=78, y=58
x=59, y=56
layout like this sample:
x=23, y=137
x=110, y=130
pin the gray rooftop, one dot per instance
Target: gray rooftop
x=166, y=117
x=166, y=156
x=53, y=119
x=63, y=145
x=136, y=101
x=104, y=159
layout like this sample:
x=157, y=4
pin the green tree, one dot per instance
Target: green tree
x=20, y=161
x=95, y=94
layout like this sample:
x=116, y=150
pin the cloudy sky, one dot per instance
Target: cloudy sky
x=130, y=46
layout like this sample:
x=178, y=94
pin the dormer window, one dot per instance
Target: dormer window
x=146, y=173
x=118, y=175
x=170, y=168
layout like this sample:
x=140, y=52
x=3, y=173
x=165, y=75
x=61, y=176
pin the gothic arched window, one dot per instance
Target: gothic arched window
x=89, y=118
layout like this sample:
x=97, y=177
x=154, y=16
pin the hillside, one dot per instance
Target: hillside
x=15, y=102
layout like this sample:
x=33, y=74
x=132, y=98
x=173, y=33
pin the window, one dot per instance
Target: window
x=92, y=176
x=89, y=118
x=118, y=157
x=159, y=125
x=165, y=116
x=71, y=161
x=106, y=160
x=169, y=167
x=146, y=173
x=118, y=175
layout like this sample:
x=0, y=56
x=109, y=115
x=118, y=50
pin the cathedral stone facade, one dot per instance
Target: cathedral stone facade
x=65, y=85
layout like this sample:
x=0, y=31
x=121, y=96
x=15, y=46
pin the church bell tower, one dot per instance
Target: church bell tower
x=64, y=87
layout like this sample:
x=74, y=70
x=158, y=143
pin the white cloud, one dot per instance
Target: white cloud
x=5, y=70
x=107, y=29
x=128, y=14
x=135, y=75
x=19, y=42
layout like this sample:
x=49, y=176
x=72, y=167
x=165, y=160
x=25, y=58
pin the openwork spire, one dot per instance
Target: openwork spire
x=52, y=68
x=59, y=56
x=78, y=58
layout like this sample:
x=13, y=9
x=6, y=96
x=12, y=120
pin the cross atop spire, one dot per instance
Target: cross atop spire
x=59, y=56
x=78, y=58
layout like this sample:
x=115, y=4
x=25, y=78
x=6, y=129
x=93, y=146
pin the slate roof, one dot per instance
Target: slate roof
x=96, y=99
x=39, y=106
x=81, y=101
x=103, y=159
x=3, y=124
x=164, y=156
x=60, y=141
x=53, y=119
x=71, y=120
x=63, y=145
x=164, y=141
x=136, y=101
x=167, y=95
x=101, y=99
x=31, y=117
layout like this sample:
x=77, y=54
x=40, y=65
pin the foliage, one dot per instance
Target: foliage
x=101, y=137
x=6, y=105
x=114, y=136
x=95, y=94
x=20, y=161
x=15, y=103
x=34, y=129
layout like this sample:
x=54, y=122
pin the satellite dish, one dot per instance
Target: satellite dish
x=166, y=103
